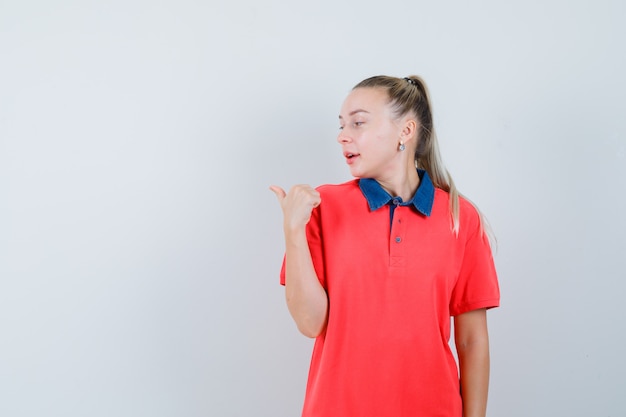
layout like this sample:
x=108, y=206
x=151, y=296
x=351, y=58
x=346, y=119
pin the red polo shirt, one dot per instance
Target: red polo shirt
x=393, y=282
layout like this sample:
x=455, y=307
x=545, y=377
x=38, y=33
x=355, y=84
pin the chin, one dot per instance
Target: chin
x=358, y=173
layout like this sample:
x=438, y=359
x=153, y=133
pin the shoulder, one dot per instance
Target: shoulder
x=342, y=190
x=471, y=221
x=469, y=216
x=339, y=198
x=468, y=213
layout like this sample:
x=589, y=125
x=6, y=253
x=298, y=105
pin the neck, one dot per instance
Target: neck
x=402, y=185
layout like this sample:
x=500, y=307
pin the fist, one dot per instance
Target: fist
x=297, y=204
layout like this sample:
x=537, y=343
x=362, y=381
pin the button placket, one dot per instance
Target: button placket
x=397, y=246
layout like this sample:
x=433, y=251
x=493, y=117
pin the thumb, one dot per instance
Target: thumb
x=280, y=193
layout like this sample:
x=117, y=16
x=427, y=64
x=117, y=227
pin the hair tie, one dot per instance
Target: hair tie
x=410, y=81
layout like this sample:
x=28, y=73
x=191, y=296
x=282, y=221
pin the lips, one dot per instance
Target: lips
x=350, y=157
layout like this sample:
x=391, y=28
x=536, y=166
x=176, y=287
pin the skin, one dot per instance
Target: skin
x=370, y=130
x=370, y=135
x=472, y=346
x=306, y=298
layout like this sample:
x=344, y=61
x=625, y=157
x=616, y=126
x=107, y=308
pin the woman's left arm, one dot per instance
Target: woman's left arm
x=472, y=346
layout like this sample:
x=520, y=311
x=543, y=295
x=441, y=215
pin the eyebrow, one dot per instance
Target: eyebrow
x=353, y=112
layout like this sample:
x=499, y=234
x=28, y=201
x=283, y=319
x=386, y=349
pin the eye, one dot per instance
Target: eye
x=357, y=124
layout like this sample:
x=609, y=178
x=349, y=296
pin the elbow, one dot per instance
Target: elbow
x=476, y=350
x=310, y=318
x=309, y=333
x=311, y=329
x=474, y=344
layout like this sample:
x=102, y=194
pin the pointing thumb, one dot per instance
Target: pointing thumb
x=280, y=193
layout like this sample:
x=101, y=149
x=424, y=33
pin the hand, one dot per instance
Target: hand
x=297, y=205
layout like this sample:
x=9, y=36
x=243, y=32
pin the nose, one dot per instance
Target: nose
x=343, y=138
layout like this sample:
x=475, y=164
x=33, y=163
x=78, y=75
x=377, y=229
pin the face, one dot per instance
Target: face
x=369, y=135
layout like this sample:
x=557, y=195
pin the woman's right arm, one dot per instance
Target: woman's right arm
x=306, y=298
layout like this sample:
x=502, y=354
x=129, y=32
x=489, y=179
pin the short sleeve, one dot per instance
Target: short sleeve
x=314, y=238
x=477, y=284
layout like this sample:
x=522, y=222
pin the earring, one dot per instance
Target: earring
x=401, y=147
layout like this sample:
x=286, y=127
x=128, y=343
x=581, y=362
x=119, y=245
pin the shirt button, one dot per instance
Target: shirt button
x=398, y=239
x=396, y=201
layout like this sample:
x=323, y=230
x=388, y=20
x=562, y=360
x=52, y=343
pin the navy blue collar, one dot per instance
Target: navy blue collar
x=377, y=197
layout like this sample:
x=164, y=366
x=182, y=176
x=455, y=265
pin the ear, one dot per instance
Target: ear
x=409, y=130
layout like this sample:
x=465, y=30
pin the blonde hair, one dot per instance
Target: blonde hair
x=410, y=95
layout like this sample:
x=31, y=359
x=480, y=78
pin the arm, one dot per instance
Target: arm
x=306, y=298
x=472, y=345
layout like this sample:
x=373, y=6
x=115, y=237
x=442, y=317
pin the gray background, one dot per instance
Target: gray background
x=140, y=245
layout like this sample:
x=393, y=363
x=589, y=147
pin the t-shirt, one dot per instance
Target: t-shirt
x=393, y=282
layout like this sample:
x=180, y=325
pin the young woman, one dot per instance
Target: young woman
x=375, y=267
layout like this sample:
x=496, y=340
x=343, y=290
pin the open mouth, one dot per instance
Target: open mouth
x=351, y=157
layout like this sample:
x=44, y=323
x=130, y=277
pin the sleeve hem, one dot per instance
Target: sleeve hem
x=466, y=307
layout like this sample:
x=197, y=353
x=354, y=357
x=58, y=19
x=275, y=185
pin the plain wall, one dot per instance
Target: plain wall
x=139, y=243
